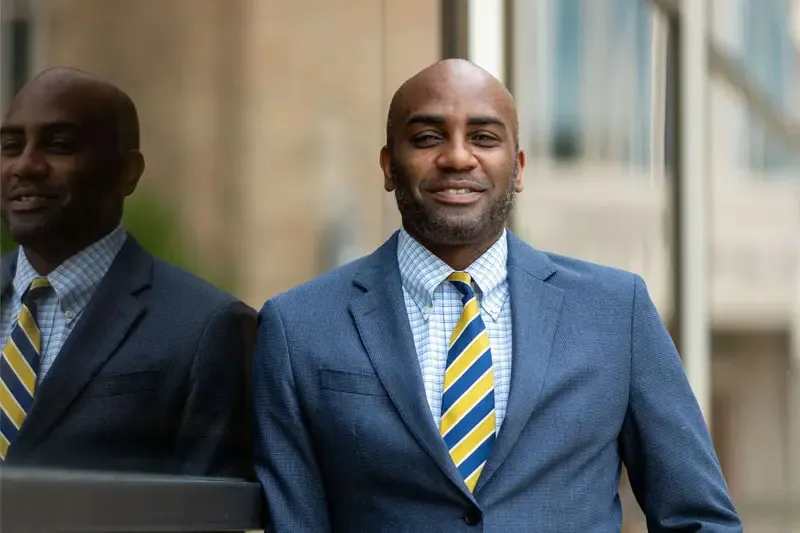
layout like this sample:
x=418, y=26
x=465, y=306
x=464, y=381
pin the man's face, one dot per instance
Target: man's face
x=454, y=163
x=58, y=168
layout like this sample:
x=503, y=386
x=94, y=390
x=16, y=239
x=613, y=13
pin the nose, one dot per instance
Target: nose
x=456, y=156
x=30, y=163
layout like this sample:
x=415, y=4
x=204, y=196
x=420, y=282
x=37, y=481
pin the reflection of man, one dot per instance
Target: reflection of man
x=457, y=377
x=112, y=359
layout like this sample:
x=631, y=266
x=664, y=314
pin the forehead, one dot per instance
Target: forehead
x=456, y=99
x=40, y=104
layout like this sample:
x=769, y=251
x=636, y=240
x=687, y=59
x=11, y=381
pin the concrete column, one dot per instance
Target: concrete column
x=486, y=35
x=793, y=411
x=694, y=234
x=658, y=91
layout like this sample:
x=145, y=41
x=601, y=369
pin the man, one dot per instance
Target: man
x=112, y=359
x=457, y=377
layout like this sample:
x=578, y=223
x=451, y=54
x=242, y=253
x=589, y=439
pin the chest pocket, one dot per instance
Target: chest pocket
x=351, y=382
x=119, y=384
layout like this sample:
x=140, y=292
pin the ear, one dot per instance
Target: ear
x=386, y=166
x=518, y=185
x=134, y=168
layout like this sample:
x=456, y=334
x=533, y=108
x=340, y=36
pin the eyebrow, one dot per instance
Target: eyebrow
x=50, y=127
x=438, y=120
x=10, y=130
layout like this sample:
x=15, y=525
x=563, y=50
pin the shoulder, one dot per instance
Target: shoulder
x=8, y=263
x=325, y=291
x=9, y=257
x=183, y=291
x=571, y=271
x=578, y=278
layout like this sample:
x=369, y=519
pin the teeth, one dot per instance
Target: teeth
x=28, y=198
x=457, y=191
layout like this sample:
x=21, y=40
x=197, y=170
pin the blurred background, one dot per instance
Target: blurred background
x=661, y=139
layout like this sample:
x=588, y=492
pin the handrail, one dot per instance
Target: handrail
x=50, y=501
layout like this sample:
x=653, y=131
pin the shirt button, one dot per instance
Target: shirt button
x=69, y=315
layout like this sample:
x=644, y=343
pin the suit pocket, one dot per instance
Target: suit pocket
x=354, y=383
x=118, y=384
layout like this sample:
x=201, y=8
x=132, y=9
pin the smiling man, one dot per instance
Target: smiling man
x=458, y=379
x=112, y=359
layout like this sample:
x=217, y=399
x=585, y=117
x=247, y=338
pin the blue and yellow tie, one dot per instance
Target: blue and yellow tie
x=468, y=419
x=19, y=367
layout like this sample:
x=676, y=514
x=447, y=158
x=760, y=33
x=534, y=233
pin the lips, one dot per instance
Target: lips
x=27, y=201
x=457, y=193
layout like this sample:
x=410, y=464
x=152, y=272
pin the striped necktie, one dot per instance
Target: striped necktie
x=468, y=419
x=19, y=367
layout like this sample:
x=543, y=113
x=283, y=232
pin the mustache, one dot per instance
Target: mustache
x=462, y=179
x=397, y=175
x=29, y=188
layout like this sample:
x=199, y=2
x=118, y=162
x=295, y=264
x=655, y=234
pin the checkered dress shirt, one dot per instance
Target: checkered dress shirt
x=434, y=306
x=73, y=284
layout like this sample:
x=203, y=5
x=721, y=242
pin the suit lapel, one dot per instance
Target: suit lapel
x=535, y=312
x=106, y=320
x=382, y=322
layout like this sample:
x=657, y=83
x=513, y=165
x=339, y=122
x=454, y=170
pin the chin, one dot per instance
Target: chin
x=456, y=233
x=451, y=226
x=30, y=232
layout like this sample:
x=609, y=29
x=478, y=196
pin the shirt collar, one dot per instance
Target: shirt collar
x=422, y=272
x=74, y=280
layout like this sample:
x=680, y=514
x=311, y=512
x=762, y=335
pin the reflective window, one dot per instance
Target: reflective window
x=769, y=55
x=260, y=125
x=598, y=74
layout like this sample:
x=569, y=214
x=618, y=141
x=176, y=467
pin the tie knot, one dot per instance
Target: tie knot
x=463, y=277
x=462, y=281
x=36, y=288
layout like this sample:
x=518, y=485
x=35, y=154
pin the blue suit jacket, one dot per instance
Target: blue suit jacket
x=345, y=440
x=152, y=379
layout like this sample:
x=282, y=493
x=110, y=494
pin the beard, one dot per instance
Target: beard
x=451, y=229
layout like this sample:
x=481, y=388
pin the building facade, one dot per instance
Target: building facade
x=262, y=121
x=589, y=84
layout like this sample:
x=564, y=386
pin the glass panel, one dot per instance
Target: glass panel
x=261, y=124
x=583, y=82
x=598, y=68
x=760, y=35
x=755, y=217
x=605, y=207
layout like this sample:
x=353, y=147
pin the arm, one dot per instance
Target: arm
x=213, y=437
x=665, y=445
x=283, y=448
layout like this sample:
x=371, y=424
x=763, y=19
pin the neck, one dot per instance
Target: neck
x=46, y=256
x=460, y=256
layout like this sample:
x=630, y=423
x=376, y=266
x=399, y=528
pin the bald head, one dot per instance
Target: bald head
x=452, y=159
x=450, y=76
x=105, y=104
x=70, y=146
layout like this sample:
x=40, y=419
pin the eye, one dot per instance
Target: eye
x=484, y=139
x=61, y=146
x=426, y=140
x=12, y=147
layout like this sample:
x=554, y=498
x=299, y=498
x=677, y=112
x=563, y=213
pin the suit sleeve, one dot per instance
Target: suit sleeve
x=284, y=456
x=665, y=444
x=213, y=438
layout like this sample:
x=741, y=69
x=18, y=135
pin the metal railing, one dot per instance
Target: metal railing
x=53, y=501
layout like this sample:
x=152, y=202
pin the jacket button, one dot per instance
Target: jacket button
x=473, y=516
